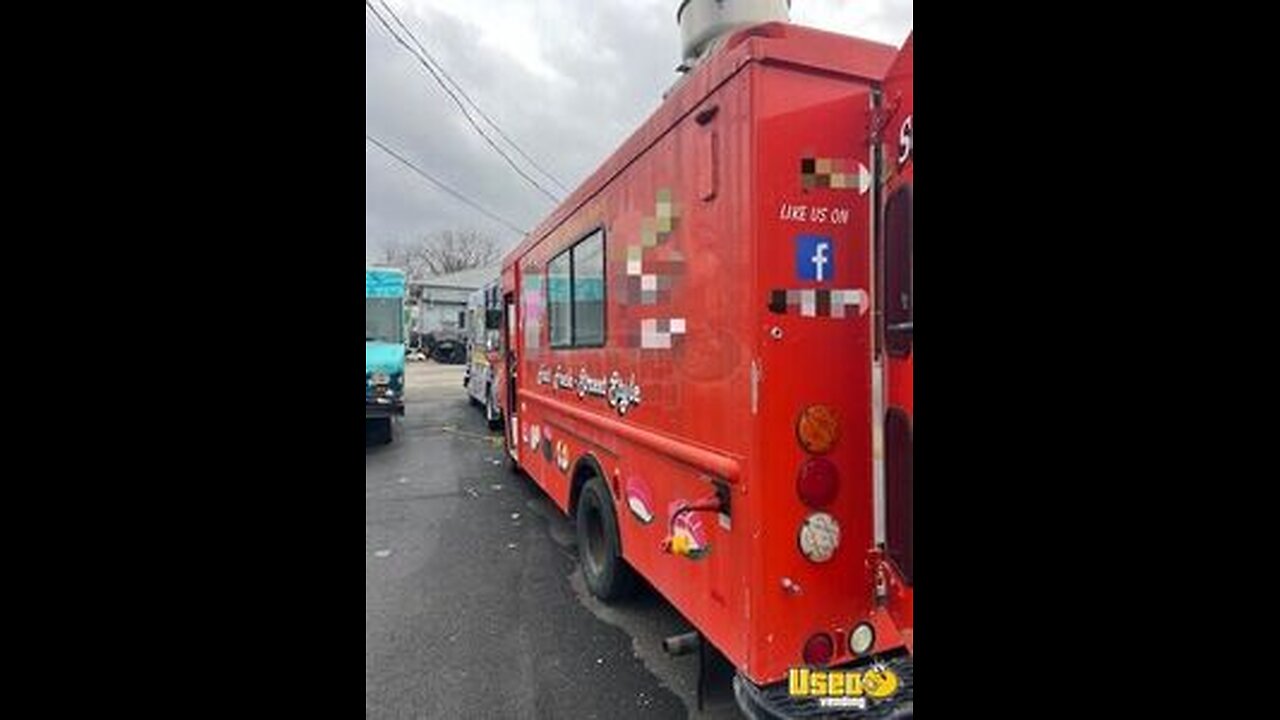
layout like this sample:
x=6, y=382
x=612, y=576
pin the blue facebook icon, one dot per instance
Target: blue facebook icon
x=815, y=258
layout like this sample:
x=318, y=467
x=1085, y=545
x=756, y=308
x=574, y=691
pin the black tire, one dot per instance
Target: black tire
x=509, y=462
x=492, y=414
x=599, y=549
x=378, y=430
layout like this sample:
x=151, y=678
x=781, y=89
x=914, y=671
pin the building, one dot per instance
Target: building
x=439, y=303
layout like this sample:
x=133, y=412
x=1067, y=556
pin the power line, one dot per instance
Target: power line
x=441, y=185
x=458, y=102
x=431, y=58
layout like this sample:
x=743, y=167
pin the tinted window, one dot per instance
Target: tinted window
x=588, y=290
x=899, y=278
x=559, y=302
x=576, y=292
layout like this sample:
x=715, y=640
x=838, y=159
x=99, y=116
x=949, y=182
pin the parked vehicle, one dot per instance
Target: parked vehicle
x=483, y=330
x=383, y=350
x=697, y=357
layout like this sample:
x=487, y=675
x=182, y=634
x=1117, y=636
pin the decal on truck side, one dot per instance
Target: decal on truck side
x=815, y=258
x=818, y=302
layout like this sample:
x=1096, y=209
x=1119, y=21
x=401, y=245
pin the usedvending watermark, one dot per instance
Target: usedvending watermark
x=844, y=689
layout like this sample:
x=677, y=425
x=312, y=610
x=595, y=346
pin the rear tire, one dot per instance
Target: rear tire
x=492, y=413
x=599, y=547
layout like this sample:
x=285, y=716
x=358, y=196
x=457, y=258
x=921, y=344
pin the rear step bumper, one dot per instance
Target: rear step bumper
x=774, y=702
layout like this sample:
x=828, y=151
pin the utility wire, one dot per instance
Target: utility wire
x=461, y=107
x=431, y=58
x=441, y=185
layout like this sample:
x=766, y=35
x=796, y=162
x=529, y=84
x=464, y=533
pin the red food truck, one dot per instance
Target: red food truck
x=702, y=369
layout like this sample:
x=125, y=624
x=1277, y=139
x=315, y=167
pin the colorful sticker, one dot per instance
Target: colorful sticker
x=638, y=500
x=532, y=298
x=689, y=530
x=548, y=451
x=562, y=456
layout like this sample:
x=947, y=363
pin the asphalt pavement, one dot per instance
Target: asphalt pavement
x=474, y=605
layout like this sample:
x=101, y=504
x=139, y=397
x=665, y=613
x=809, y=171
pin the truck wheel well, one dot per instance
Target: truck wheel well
x=584, y=469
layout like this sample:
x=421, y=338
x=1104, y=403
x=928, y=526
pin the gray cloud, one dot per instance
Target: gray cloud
x=569, y=80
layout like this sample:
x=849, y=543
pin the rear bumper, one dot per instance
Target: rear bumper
x=774, y=702
x=383, y=410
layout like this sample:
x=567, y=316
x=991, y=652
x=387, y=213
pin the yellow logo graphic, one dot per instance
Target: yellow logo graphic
x=879, y=682
x=876, y=682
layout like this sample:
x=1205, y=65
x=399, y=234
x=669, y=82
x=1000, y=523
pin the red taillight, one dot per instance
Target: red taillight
x=819, y=649
x=817, y=482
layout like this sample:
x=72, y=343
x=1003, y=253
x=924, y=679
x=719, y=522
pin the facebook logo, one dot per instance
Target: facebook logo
x=815, y=258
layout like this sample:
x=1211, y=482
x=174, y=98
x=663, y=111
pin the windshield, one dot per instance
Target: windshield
x=382, y=320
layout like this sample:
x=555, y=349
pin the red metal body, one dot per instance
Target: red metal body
x=898, y=176
x=721, y=327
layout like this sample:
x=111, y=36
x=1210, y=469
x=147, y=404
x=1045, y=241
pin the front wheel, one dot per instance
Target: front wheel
x=599, y=547
x=378, y=430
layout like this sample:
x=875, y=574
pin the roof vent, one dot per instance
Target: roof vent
x=703, y=22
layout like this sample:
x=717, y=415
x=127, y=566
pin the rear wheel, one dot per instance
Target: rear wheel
x=599, y=547
x=492, y=413
x=509, y=462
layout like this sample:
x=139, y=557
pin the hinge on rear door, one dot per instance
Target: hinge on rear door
x=879, y=117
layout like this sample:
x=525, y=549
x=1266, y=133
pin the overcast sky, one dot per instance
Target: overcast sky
x=568, y=80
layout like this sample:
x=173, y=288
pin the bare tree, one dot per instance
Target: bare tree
x=402, y=255
x=449, y=251
x=443, y=252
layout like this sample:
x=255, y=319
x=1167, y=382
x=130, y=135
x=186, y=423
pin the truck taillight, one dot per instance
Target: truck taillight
x=862, y=639
x=819, y=537
x=819, y=649
x=817, y=482
x=818, y=429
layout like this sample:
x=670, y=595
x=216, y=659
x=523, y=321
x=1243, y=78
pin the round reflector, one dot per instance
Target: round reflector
x=819, y=649
x=816, y=483
x=818, y=429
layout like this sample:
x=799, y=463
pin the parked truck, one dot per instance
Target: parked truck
x=383, y=350
x=707, y=361
x=482, y=327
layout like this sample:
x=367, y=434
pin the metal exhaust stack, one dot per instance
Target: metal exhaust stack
x=681, y=644
x=677, y=645
x=705, y=22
